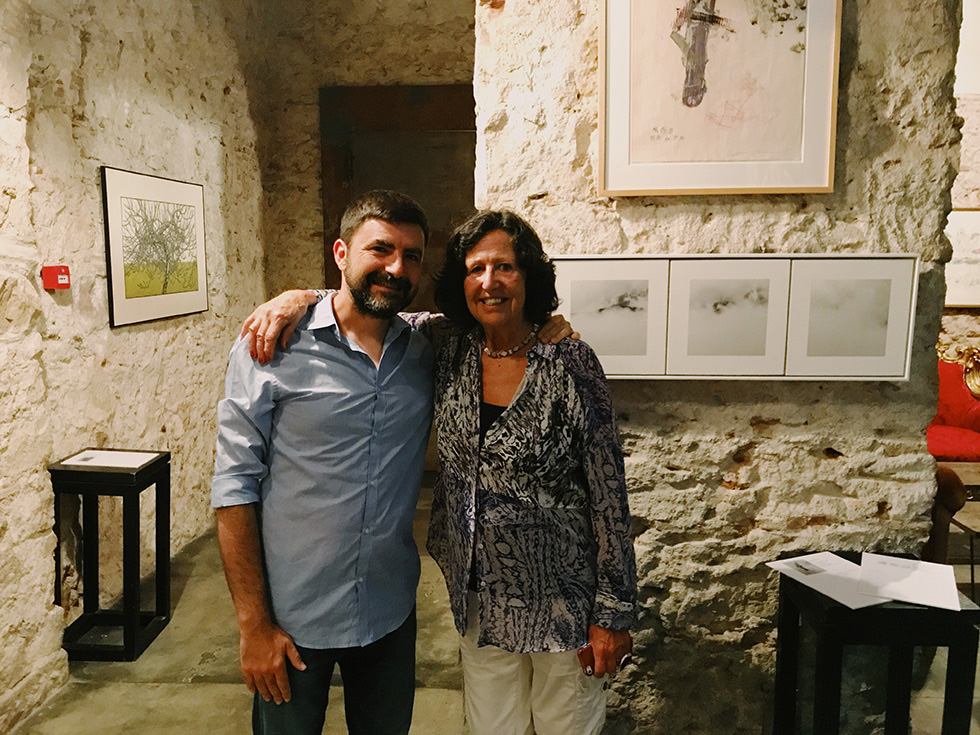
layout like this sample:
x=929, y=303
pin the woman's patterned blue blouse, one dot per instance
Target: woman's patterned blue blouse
x=543, y=501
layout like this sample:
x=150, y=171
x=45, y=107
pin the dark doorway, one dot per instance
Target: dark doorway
x=419, y=140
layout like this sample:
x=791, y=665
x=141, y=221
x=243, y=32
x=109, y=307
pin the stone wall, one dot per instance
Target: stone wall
x=725, y=476
x=154, y=88
x=314, y=44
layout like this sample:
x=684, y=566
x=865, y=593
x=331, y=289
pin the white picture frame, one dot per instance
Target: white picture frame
x=727, y=316
x=619, y=306
x=963, y=269
x=764, y=120
x=155, y=253
x=851, y=317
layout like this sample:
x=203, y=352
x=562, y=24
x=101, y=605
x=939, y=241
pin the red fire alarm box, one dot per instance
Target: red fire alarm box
x=55, y=276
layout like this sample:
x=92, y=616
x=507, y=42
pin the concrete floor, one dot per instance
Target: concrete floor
x=189, y=681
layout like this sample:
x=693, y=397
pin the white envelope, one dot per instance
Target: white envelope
x=909, y=580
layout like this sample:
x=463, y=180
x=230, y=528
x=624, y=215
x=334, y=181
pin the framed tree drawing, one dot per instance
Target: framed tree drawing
x=155, y=254
x=717, y=96
x=851, y=317
x=727, y=316
x=963, y=269
x=619, y=306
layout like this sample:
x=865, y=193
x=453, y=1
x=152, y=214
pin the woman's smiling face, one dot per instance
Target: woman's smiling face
x=494, y=284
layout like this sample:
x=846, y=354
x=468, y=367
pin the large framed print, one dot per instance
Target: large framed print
x=727, y=316
x=712, y=97
x=619, y=306
x=155, y=255
x=963, y=269
x=851, y=317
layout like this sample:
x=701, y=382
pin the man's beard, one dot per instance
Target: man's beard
x=385, y=305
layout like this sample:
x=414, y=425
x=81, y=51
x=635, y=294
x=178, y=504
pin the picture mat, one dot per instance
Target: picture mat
x=963, y=270
x=118, y=184
x=968, y=56
x=620, y=174
x=812, y=279
x=720, y=298
x=752, y=104
x=581, y=282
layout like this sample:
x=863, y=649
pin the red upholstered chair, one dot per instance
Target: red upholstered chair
x=953, y=436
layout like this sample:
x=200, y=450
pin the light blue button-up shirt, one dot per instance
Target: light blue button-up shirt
x=332, y=449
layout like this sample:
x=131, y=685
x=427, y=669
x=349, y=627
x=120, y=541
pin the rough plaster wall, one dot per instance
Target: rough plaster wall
x=336, y=42
x=154, y=89
x=725, y=476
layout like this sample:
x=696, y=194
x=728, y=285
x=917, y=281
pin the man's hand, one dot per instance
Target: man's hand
x=607, y=648
x=264, y=652
x=275, y=319
x=555, y=330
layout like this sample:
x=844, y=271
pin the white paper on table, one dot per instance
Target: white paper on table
x=829, y=574
x=909, y=580
x=110, y=458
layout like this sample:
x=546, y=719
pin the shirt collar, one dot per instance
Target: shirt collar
x=322, y=316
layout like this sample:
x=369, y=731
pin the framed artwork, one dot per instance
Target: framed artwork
x=727, y=316
x=711, y=97
x=963, y=269
x=851, y=317
x=155, y=254
x=619, y=306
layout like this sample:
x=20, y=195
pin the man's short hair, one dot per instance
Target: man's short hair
x=386, y=205
x=540, y=296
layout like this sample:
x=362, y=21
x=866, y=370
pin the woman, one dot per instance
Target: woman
x=530, y=524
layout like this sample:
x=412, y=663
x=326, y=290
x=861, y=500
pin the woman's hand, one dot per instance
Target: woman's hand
x=606, y=651
x=555, y=330
x=273, y=319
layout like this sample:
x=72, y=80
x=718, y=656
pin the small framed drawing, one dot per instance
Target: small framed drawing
x=727, y=317
x=155, y=254
x=963, y=270
x=619, y=306
x=851, y=317
x=727, y=98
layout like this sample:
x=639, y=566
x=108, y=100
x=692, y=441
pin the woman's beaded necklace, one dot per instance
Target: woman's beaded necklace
x=507, y=353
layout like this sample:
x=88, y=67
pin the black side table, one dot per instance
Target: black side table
x=126, y=473
x=899, y=627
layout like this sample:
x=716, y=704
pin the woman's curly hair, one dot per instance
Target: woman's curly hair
x=540, y=296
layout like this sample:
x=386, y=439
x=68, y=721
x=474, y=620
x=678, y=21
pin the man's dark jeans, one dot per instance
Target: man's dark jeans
x=379, y=689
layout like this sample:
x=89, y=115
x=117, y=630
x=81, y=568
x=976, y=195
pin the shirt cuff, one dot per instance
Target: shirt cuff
x=228, y=491
x=613, y=614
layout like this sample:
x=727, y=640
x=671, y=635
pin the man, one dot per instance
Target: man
x=319, y=461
